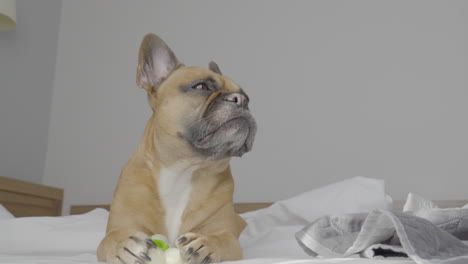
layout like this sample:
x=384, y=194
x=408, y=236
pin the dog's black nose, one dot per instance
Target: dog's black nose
x=237, y=98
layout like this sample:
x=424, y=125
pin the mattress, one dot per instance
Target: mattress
x=268, y=238
x=91, y=259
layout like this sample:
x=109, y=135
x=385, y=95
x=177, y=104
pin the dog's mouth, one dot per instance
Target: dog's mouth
x=233, y=137
x=230, y=125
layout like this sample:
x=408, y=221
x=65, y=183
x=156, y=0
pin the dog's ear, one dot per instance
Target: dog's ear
x=155, y=62
x=214, y=67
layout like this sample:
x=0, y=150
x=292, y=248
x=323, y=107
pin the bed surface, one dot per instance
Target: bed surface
x=268, y=238
x=91, y=259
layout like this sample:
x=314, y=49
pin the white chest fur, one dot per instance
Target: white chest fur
x=175, y=185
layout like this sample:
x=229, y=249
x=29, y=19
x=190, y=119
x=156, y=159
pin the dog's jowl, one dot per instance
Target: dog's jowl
x=178, y=182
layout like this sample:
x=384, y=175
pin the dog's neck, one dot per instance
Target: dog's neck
x=154, y=149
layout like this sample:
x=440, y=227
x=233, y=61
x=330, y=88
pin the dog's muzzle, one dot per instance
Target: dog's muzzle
x=227, y=127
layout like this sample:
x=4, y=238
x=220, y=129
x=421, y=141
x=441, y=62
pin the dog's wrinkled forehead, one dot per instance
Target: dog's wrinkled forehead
x=187, y=78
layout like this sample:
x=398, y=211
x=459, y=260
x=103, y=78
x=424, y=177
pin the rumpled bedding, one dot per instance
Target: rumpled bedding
x=270, y=231
x=428, y=235
x=268, y=238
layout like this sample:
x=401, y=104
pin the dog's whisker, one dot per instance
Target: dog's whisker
x=202, y=119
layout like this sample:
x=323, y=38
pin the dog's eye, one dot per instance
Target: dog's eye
x=201, y=87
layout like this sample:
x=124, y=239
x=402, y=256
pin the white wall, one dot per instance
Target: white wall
x=339, y=88
x=27, y=67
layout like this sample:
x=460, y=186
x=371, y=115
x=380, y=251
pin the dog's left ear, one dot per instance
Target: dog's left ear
x=214, y=67
x=155, y=62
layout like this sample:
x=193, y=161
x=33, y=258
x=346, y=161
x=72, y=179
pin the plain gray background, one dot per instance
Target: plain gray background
x=27, y=67
x=338, y=88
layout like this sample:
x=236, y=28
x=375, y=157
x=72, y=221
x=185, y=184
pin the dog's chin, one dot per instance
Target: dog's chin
x=233, y=138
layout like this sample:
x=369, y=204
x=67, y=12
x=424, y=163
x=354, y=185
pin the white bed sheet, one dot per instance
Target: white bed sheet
x=91, y=259
x=4, y=213
x=269, y=237
x=321, y=261
x=270, y=232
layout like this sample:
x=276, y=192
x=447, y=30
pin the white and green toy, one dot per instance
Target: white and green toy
x=163, y=254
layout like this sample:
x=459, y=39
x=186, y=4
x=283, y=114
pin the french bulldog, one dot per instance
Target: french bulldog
x=178, y=182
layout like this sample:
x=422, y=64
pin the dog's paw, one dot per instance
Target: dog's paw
x=197, y=249
x=134, y=250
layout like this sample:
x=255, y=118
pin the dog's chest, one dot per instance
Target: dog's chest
x=175, y=186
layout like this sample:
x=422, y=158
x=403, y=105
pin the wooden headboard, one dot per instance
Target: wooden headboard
x=247, y=207
x=29, y=199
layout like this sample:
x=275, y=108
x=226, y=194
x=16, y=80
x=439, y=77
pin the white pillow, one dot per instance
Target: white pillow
x=4, y=213
x=270, y=231
x=64, y=235
x=415, y=202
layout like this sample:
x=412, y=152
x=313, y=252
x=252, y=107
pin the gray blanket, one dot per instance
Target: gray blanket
x=430, y=236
